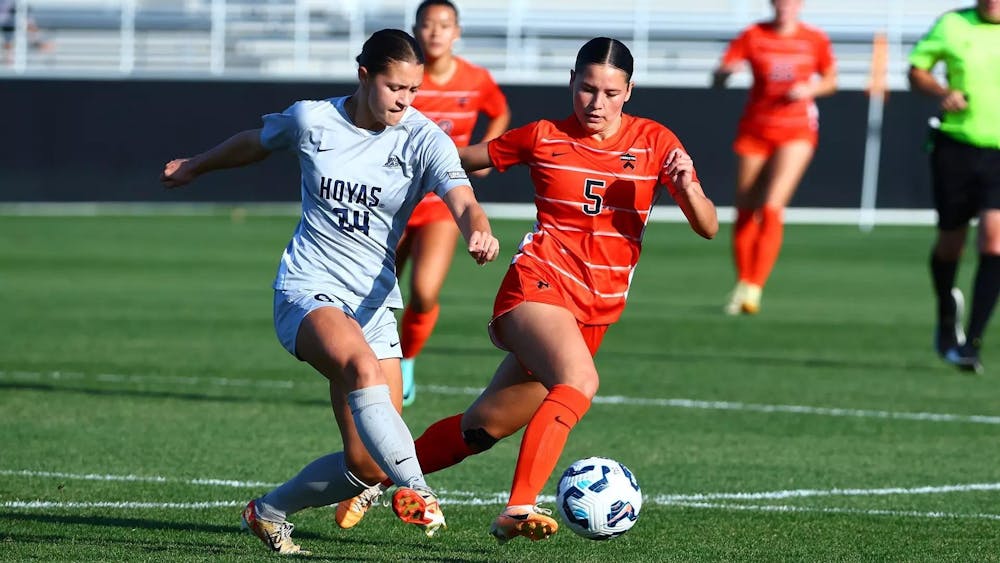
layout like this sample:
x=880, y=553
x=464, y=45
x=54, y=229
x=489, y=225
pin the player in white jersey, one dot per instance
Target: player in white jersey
x=366, y=161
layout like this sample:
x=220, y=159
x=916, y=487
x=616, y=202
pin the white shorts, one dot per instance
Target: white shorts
x=377, y=324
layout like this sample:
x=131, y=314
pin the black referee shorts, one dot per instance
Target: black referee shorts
x=966, y=180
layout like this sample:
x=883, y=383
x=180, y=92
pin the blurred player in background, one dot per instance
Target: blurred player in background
x=8, y=25
x=596, y=175
x=366, y=160
x=965, y=168
x=453, y=94
x=776, y=139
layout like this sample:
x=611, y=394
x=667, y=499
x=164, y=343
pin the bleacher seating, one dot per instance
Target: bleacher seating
x=676, y=42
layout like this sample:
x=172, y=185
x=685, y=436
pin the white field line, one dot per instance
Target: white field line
x=834, y=510
x=139, y=478
x=478, y=498
x=472, y=391
x=754, y=407
x=132, y=505
x=43, y=504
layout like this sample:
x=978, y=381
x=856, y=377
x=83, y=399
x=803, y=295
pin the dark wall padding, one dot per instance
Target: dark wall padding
x=108, y=140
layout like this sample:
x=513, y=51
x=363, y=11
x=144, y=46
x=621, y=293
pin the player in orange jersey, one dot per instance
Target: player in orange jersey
x=453, y=94
x=777, y=136
x=596, y=175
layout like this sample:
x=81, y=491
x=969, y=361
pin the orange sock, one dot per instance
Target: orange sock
x=416, y=329
x=543, y=441
x=440, y=446
x=745, y=232
x=772, y=229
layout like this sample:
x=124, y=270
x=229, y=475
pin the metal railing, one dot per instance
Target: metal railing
x=520, y=41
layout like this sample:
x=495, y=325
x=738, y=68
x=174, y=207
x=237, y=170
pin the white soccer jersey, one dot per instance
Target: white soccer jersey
x=358, y=191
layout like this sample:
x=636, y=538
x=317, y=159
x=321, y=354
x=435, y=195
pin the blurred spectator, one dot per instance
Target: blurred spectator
x=8, y=27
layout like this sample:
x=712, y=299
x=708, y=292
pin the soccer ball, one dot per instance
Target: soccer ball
x=598, y=498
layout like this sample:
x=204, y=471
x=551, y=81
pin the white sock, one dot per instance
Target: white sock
x=324, y=481
x=385, y=435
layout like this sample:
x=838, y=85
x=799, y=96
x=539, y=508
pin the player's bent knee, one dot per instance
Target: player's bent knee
x=364, y=372
x=587, y=385
x=478, y=439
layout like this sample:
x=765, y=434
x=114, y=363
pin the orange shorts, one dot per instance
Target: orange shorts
x=430, y=210
x=763, y=142
x=525, y=281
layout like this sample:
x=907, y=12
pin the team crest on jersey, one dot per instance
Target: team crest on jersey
x=393, y=162
x=627, y=160
x=446, y=125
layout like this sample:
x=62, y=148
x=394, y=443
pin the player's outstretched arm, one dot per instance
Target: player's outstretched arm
x=697, y=208
x=475, y=157
x=494, y=129
x=239, y=150
x=472, y=221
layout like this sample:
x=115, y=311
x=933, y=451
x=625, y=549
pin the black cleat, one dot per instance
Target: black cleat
x=965, y=358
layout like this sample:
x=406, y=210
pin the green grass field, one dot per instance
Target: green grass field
x=144, y=399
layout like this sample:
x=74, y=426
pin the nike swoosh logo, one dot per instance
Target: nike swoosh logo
x=398, y=461
x=394, y=344
x=518, y=516
x=558, y=153
x=324, y=150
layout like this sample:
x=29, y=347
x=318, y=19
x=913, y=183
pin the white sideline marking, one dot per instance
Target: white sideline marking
x=754, y=407
x=471, y=498
x=169, y=379
x=804, y=493
x=138, y=478
x=601, y=400
x=866, y=512
x=40, y=504
x=43, y=504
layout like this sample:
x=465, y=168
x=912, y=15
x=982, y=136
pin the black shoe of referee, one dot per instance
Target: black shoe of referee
x=965, y=358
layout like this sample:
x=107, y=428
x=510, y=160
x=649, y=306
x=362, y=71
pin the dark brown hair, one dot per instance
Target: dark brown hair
x=605, y=51
x=386, y=46
x=428, y=3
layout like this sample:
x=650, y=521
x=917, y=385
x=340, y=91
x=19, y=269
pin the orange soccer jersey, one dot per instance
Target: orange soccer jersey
x=593, y=200
x=777, y=63
x=455, y=106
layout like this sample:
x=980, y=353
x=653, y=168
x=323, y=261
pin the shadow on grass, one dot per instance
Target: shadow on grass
x=359, y=548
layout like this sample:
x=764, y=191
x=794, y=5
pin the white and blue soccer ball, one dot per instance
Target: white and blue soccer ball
x=598, y=498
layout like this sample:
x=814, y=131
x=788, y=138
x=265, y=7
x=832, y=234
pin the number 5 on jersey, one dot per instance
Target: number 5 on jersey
x=595, y=199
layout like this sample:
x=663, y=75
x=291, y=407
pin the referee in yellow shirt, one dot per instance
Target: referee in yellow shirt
x=965, y=168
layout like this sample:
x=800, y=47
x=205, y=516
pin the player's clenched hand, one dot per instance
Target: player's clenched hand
x=680, y=168
x=178, y=172
x=799, y=91
x=483, y=247
x=954, y=100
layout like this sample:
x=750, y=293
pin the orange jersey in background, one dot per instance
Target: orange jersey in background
x=593, y=199
x=456, y=105
x=778, y=62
